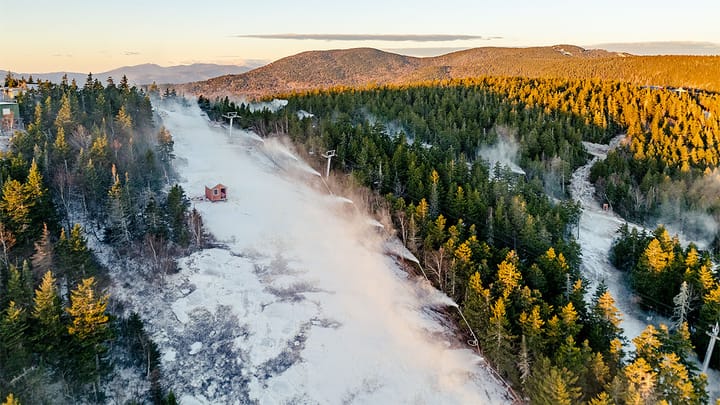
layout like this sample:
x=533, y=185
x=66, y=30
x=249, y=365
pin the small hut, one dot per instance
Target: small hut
x=217, y=193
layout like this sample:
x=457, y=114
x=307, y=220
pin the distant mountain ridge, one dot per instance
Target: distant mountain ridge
x=365, y=66
x=148, y=73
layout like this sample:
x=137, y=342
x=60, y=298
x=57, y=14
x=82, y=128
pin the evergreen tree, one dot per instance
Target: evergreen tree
x=46, y=313
x=89, y=328
x=19, y=287
x=15, y=207
x=10, y=400
x=550, y=385
x=14, y=355
x=498, y=339
x=176, y=207
x=119, y=213
x=604, y=324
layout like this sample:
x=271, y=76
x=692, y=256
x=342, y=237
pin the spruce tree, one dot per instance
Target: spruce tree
x=14, y=354
x=89, y=328
x=46, y=314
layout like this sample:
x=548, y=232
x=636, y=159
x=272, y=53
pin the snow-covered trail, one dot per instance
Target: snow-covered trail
x=302, y=306
x=597, y=230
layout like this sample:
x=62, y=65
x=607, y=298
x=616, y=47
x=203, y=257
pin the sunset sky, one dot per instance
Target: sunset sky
x=76, y=35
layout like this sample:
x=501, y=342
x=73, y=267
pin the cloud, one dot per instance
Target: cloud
x=370, y=37
x=131, y=53
x=663, y=47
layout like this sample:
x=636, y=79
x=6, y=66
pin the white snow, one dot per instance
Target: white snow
x=298, y=303
x=302, y=114
x=597, y=230
x=274, y=105
x=196, y=347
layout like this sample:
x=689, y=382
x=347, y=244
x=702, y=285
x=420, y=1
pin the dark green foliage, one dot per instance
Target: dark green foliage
x=89, y=149
x=627, y=247
x=176, y=207
x=660, y=267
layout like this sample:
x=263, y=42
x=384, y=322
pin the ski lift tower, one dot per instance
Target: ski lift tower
x=328, y=155
x=230, y=115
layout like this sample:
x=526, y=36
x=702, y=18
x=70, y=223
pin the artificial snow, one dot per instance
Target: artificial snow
x=298, y=302
x=597, y=230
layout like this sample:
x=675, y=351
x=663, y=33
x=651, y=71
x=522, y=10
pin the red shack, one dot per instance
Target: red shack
x=217, y=193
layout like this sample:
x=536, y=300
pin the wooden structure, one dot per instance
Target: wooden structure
x=217, y=193
x=8, y=113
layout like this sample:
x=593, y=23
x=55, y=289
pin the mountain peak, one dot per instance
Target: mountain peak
x=358, y=67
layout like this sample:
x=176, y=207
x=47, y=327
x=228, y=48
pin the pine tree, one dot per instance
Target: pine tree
x=434, y=194
x=89, y=321
x=674, y=383
x=569, y=321
x=498, y=339
x=508, y=275
x=64, y=117
x=15, y=207
x=532, y=326
x=47, y=312
x=89, y=328
x=641, y=380
x=19, y=288
x=601, y=399
x=10, y=400
x=165, y=146
x=119, y=215
x=123, y=119
x=74, y=256
x=176, y=208
x=604, y=323
x=13, y=352
x=550, y=385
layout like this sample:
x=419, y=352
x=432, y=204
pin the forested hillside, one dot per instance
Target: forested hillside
x=666, y=170
x=370, y=67
x=90, y=155
x=659, y=267
x=493, y=239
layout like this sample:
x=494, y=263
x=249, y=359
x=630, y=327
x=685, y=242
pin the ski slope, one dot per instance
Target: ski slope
x=596, y=232
x=299, y=304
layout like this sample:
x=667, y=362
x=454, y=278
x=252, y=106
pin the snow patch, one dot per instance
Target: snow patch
x=274, y=105
x=196, y=347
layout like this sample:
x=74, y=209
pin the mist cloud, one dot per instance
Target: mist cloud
x=370, y=37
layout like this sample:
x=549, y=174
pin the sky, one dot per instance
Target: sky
x=84, y=36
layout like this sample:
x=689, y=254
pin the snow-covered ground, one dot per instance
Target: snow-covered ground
x=597, y=230
x=300, y=305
